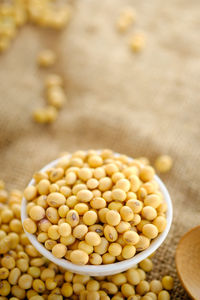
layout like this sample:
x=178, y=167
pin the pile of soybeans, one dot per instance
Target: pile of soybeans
x=95, y=208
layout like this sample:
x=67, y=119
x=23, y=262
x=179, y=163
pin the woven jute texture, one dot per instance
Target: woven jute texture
x=137, y=104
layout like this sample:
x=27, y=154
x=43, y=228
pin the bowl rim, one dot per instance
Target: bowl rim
x=97, y=270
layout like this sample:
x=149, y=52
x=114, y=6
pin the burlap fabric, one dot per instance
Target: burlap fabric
x=140, y=105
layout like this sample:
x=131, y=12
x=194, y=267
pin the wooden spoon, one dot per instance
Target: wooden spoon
x=188, y=262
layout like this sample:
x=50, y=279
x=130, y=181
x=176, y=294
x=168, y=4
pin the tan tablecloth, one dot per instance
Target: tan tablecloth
x=140, y=105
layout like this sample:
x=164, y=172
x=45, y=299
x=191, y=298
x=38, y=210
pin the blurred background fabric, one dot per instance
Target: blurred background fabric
x=143, y=104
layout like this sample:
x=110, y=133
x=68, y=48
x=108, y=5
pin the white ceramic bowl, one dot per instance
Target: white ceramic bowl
x=109, y=269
